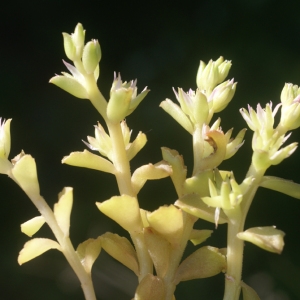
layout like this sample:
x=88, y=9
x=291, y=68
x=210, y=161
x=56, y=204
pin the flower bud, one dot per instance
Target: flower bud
x=91, y=56
x=78, y=39
x=69, y=46
x=222, y=95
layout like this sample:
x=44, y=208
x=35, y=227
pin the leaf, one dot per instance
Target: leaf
x=281, y=185
x=248, y=292
x=70, y=85
x=33, y=225
x=268, y=238
x=149, y=172
x=124, y=210
x=204, y=262
x=176, y=113
x=88, y=251
x=168, y=221
x=192, y=204
x=159, y=249
x=120, y=249
x=151, y=287
x=36, y=247
x=89, y=160
x=25, y=174
x=62, y=209
x=199, y=236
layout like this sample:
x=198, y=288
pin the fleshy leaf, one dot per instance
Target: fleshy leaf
x=159, y=249
x=193, y=205
x=281, y=185
x=135, y=147
x=204, y=262
x=151, y=287
x=168, y=221
x=268, y=238
x=149, y=172
x=24, y=171
x=88, y=251
x=248, y=292
x=199, y=236
x=36, y=247
x=176, y=112
x=124, y=210
x=70, y=85
x=178, y=175
x=62, y=209
x=89, y=160
x=33, y=225
x=120, y=249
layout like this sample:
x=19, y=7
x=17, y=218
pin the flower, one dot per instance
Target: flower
x=123, y=99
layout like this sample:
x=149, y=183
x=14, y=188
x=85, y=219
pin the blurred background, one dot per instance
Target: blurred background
x=160, y=45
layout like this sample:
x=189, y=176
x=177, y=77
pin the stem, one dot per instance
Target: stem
x=198, y=148
x=145, y=262
x=67, y=248
x=235, y=246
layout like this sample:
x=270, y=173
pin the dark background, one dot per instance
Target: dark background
x=161, y=45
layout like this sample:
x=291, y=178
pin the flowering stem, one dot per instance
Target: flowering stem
x=198, y=148
x=235, y=246
x=66, y=248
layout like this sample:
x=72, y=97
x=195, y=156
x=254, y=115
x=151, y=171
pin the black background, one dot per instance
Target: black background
x=160, y=44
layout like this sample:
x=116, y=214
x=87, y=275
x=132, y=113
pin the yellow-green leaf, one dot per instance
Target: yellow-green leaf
x=124, y=210
x=62, y=209
x=36, y=247
x=151, y=287
x=88, y=251
x=248, y=292
x=120, y=249
x=268, y=238
x=89, y=160
x=33, y=225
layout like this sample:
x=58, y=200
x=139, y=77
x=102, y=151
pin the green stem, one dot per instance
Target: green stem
x=198, y=148
x=67, y=248
x=235, y=246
